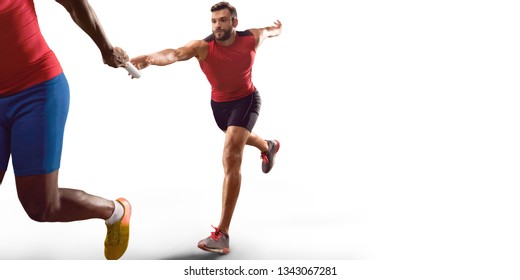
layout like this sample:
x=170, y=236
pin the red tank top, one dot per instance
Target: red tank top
x=229, y=68
x=25, y=59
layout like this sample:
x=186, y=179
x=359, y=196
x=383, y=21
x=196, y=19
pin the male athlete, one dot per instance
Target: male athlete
x=34, y=103
x=226, y=57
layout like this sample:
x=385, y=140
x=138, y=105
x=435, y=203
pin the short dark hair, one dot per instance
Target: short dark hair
x=224, y=5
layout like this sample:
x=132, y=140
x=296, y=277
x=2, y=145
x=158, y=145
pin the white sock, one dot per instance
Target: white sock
x=117, y=215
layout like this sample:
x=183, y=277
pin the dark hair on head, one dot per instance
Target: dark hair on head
x=224, y=5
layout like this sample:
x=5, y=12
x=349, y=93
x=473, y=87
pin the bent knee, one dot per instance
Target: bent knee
x=41, y=212
x=38, y=216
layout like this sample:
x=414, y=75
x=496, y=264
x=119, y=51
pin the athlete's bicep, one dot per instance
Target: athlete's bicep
x=184, y=53
x=192, y=49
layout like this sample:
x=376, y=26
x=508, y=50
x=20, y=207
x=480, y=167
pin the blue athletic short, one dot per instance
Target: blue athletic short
x=242, y=112
x=32, y=123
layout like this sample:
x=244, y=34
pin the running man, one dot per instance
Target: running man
x=34, y=103
x=226, y=57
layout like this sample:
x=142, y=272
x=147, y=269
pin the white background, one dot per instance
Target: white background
x=398, y=123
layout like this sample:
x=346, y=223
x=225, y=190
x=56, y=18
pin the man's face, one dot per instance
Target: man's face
x=222, y=24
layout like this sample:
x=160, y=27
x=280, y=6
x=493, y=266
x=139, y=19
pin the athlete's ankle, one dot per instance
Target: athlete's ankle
x=119, y=210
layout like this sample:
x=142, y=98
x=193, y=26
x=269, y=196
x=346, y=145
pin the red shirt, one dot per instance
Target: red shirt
x=228, y=68
x=25, y=58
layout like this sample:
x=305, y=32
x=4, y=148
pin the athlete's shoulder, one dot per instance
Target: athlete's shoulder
x=244, y=33
x=209, y=38
x=200, y=47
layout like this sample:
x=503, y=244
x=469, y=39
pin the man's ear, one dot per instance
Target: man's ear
x=235, y=22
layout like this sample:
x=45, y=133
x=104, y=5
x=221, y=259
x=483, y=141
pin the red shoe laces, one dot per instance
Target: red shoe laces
x=264, y=157
x=216, y=234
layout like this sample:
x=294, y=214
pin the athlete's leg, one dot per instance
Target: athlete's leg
x=237, y=119
x=38, y=121
x=38, y=117
x=45, y=202
x=236, y=138
x=258, y=142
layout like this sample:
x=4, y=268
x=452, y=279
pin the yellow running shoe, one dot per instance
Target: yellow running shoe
x=118, y=234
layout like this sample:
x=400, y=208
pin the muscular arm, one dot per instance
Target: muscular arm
x=85, y=17
x=168, y=56
x=267, y=32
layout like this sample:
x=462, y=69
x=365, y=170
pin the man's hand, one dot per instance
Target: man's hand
x=142, y=61
x=116, y=57
x=276, y=29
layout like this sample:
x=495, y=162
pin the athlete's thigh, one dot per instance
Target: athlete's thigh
x=5, y=148
x=37, y=132
x=245, y=112
x=236, y=138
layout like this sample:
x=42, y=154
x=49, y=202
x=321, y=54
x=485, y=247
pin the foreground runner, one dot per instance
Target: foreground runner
x=34, y=103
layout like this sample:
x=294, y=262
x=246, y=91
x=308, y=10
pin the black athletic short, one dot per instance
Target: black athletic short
x=242, y=112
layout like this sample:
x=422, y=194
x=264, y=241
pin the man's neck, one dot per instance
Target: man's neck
x=230, y=40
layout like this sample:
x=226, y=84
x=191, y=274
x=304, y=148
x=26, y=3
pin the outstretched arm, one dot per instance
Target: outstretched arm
x=267, y=32
x=85, y=17
x=168, y=56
